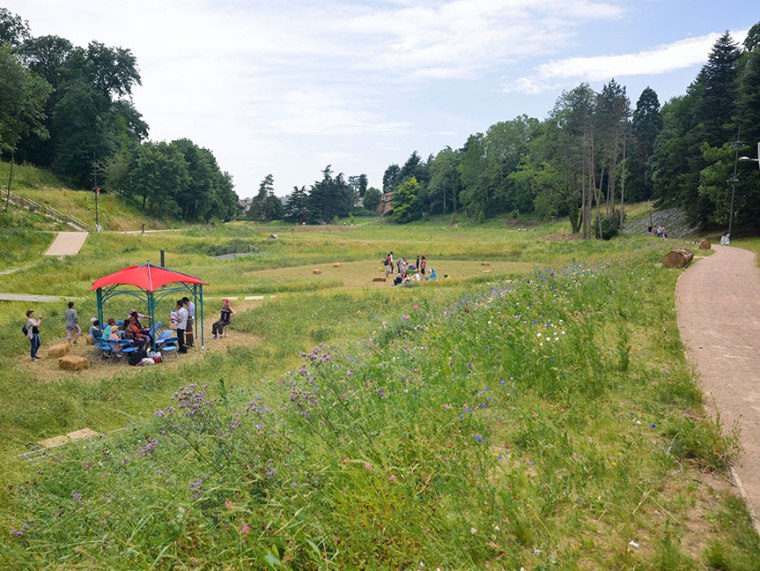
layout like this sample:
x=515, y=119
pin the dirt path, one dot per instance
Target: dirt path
x=67, y=244
x=718, y=304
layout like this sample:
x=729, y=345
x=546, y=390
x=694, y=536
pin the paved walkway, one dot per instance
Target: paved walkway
x=67, y=244
x=718, y=303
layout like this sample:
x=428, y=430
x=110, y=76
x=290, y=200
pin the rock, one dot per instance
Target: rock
x=59, y=350
x=378, y=279
x=337, y=265
x=73, y=363
x=316, y=271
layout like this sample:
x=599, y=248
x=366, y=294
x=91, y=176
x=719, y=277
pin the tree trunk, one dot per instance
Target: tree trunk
x=622, y=182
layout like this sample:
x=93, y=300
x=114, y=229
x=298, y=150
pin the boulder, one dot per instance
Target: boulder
x=59, y=350
x=73, y=363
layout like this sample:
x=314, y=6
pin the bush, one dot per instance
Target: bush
x=610, y=225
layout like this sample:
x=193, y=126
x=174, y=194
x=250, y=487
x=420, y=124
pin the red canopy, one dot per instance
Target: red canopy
x=147, y=277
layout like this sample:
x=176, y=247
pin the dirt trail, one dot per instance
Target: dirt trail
x=718, y=304
x=67, y=244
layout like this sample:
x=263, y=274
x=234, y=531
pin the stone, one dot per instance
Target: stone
x=59, y=350
x=73, y=363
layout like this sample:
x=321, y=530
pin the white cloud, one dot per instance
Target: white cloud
x=662, y=59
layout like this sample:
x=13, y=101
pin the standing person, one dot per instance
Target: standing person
x=390, y=261
x=217, y=329
x=417, y=265
x=181, y=320
x=423, y=265
x=72, y=324
x=189, y=338
x=388, y=264
x=33, y=331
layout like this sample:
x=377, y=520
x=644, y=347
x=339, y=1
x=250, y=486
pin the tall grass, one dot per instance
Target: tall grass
x=542, y=423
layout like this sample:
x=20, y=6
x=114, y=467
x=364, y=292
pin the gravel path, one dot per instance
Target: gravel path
x=67, y=244
x=718, y=304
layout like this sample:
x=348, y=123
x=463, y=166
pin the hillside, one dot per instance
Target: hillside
x=47, y=189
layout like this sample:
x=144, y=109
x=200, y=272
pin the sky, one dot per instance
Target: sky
x=287, y=87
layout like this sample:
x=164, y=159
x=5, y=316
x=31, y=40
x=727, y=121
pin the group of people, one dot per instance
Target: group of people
x=658, y=231
x=404, y=268
x=132, y=327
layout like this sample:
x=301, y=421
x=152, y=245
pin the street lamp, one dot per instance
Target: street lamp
x=95, y=167
x=733, y=180
x=757, y=160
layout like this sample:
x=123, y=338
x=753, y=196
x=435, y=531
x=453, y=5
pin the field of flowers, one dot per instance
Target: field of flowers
x=548, y=422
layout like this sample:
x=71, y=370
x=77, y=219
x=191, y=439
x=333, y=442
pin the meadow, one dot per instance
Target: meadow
x=539, y=416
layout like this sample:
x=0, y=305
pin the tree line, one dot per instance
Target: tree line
x=68, y=108
x=594, y=152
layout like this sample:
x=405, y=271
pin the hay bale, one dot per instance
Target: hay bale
x=677, y=258
x=378, y=279
x=316, y=271
x=705, y=245
x=485, y=263
x=89, y=340
x=59, y=350
x=73, y=363
x=487, y=271
x=337, y=265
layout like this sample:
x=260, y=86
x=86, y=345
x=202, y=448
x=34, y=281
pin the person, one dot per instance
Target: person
x=111, y=323
x=217, y=329
x=95, y=331
x=423, y=265
x=181, y=321
x=33, y=331
x=134, y=333
x=189, y=338
x=388, y=264
x=417, y=265
x=390, y=261
x=72, y=324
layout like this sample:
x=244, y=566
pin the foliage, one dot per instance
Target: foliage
x=610, y=225
x=372, y=199
x=406, y=202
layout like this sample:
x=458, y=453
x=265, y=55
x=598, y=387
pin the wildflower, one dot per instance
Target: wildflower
x=392, y=478
x=367, y=466
x=245, y=529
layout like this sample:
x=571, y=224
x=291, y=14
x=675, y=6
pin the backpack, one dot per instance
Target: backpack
x=25, y=331
x=385, y=262
x=136, y=356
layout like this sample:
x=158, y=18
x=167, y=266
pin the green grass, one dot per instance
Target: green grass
x=541, y=422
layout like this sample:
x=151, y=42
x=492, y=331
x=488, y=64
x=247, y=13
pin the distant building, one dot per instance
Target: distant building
x=245, y=204
x=386, y=204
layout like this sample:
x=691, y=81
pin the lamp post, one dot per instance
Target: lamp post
x=95, y=167
x=733, y=180
x=757, y=160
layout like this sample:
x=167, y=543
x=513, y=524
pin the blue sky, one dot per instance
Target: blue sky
x=288, y=87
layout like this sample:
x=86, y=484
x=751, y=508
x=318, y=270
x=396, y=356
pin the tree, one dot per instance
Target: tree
x=22, y=100
x=297, y=206
x=330, y=197
x=372, y=199
x=391, y=178
x=645, y=128
x=445, y=183
x=406, y=203
x=13, y=30
x=260, y=205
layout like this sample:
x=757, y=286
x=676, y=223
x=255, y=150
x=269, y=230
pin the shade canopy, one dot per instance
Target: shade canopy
x=148, y=277
x=153, y=285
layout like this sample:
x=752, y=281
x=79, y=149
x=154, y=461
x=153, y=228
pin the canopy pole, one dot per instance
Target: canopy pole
x=203, y=345
x=100, y=310
x=152, y=309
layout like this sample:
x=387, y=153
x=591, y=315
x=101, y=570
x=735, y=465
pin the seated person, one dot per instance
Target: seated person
x=107, y=328
x=95, y=331
x=135, y=317
x=133, y=333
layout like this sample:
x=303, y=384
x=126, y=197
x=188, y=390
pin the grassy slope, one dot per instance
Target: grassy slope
x=47, y=189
